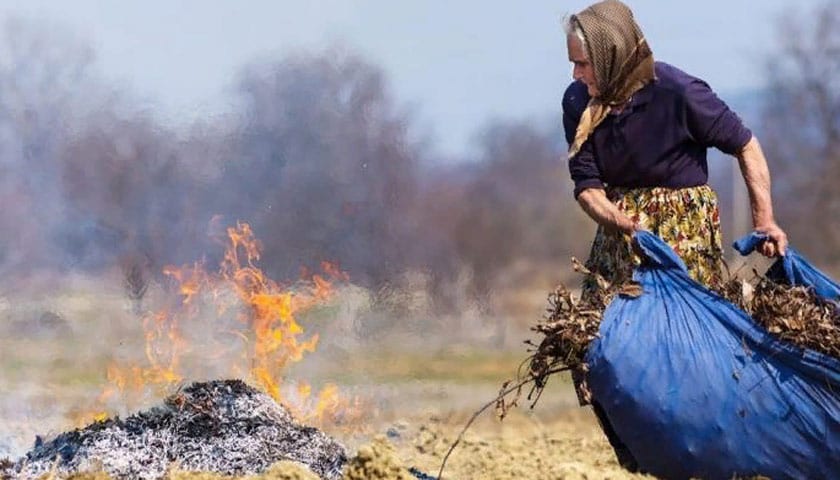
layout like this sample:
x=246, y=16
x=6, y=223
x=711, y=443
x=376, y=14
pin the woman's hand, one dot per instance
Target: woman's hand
x=776, y=243
x=757, y=178
x=595, y=203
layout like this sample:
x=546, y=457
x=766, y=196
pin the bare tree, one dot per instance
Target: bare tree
x=511, y=213
x=44, y=73
x=124, y=180
x=326, y=166
x=802, y=129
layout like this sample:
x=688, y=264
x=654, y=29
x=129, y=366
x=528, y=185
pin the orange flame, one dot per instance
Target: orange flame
x=268, y=327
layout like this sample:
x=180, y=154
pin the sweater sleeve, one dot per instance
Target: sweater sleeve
x=710, y=121
x=582, y=167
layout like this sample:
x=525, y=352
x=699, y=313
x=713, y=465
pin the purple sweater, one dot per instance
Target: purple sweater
x=659, y=140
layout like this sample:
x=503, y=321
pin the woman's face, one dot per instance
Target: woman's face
x=583, y=69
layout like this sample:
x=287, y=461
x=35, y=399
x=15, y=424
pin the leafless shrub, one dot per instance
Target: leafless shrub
x=136, y=280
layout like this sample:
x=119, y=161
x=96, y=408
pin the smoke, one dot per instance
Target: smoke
x=99, y=197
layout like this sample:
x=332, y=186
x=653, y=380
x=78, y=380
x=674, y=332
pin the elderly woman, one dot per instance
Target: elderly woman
x=638, y=132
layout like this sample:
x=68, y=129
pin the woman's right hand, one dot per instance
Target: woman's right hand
x=595, y=203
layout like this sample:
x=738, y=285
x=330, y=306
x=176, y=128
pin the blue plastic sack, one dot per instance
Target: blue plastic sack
x=793, y=269
x=695, y=388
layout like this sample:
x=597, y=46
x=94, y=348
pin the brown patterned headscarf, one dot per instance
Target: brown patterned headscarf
x=621, y=57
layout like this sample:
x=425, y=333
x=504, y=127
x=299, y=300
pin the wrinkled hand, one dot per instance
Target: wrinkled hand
x=776, y=243
x=634, y=243
x=630, y=227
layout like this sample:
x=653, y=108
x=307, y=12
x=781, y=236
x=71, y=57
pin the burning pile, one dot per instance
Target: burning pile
x=223, y=427
x=219, y=426
x=234, y=322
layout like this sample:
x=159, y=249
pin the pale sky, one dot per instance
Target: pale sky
x=455, y=63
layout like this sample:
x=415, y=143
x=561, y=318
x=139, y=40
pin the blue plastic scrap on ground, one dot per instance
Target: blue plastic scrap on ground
x=695, y=388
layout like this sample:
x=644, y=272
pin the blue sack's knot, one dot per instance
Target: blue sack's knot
x=657, y=252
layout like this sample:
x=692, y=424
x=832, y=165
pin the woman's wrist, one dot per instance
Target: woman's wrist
x=627, y=226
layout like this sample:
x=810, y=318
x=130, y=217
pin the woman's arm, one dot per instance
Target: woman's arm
x=595, y=203
x=757, y=178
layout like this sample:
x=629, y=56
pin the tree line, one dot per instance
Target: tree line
x=321, y=160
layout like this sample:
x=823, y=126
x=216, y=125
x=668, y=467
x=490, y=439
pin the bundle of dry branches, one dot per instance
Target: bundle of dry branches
x=568, y=327
x=570, y=324
x=793, y=314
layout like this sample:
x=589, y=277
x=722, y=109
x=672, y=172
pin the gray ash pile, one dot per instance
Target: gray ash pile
x=221, y=426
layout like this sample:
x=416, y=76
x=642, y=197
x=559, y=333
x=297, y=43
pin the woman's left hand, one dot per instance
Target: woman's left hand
x=776, y=243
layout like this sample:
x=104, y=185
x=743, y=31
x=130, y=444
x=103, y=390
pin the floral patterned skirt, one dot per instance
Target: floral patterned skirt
x=687, y=219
